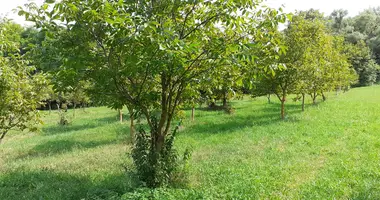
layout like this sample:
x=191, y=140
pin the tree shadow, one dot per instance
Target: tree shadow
x=48, y=184
x=112, y=119
x=57, y=129
x=229, y=123
x=55, y=147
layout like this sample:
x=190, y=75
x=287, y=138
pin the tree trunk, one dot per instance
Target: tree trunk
x=132, y=129
x=212, y=105
x=192, y=113
x=75, y=105
x=159, y=143
x=121, y=116
x=49, y=104
x=323, y=97
x=338, y=89
x=283, y=106
x=282, y=110
x=314, y=97
x=268, y=97
x=303, y=102
x=58, y=107
x=225, y=102
x=2, y=136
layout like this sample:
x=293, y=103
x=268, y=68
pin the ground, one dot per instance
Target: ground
x=330, y=151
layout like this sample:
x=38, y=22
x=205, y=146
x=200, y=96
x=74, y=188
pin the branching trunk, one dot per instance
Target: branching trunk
x=303, y=102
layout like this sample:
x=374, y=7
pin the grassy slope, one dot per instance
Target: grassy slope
x=330, y=151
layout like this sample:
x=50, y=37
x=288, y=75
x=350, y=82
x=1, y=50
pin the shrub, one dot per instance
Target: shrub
x=156, y=169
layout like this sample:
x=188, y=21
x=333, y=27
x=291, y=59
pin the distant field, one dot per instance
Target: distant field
x=331, y=151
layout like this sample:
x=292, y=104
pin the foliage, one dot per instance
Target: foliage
x=360, y=56
x=362, y=32
x=145, y=54
x=21, y=89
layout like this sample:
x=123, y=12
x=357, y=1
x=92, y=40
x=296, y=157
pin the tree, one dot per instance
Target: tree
x=360, y=58
x=147, y=52
x=78, y=94
x=338, y=19
x=20, y=88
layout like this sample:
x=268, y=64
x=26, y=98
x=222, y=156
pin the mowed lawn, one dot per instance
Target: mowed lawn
x=330, y=151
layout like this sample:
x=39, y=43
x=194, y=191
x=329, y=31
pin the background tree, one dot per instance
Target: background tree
x=20, y=88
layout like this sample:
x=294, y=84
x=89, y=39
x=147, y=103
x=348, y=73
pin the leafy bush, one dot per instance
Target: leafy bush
x=155, y=168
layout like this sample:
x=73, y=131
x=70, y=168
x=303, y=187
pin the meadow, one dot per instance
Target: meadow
x=330, y=151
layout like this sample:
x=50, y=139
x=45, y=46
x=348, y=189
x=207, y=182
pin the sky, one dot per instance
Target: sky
x=326, y=6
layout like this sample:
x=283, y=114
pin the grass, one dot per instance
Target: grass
x=331, y=151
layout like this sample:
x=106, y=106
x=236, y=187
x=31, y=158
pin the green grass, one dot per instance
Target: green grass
x=331, y=151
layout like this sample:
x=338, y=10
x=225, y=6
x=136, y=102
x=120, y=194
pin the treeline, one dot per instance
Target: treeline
x=157, y=57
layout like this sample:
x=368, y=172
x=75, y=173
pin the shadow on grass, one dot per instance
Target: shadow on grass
x=55, y=147
x=57, y=129
x=229, y=123
x=113, y=119
x=47, y=184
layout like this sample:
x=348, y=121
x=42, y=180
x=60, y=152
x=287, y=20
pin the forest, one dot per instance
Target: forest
x=183, y=95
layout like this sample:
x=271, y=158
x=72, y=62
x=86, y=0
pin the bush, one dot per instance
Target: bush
x=63, y=121
x=156, y=169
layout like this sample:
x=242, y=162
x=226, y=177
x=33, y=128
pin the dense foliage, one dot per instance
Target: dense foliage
x=21, y=88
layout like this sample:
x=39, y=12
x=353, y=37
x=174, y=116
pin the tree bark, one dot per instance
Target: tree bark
x=192, y=113
x=75, y=105
x=2, y=136
x=49, y=104
x=225, y=102
x=160, y=141
x=324, y=97
x=282, y=110
x=283, y=106
x=132, y=129
x=120, y=116
x=303, y=102
x=269, y=100
x=314, y=97
x=212, y=105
